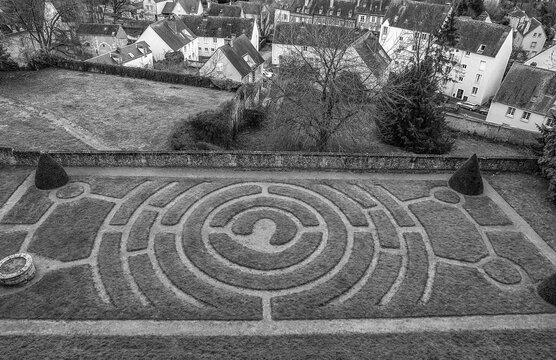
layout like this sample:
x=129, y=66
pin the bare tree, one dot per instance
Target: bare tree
x=328, y=78
x=40, y=19
x=118, y=7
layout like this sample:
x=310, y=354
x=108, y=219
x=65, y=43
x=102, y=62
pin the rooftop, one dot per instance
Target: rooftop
x=528, y=88
x=475, y=35
x=173, y=32
x=99, y=29
x=417, y=16
x=123, y=55
x=219, y=26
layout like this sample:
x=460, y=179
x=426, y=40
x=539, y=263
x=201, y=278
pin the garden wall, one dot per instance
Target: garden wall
x=268, y=160
x=491, y=131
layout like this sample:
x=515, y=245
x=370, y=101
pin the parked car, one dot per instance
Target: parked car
x=483, y=110
x=450, y=107
x=467, y=105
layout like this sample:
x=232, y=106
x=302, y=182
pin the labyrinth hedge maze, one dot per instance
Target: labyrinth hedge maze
x=234, y=249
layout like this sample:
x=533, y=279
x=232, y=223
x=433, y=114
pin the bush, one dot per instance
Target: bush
x=547, y=160
x=40, y=60
x=6, y=62
x=253, y=119
x=211, y=126
x=175, y=57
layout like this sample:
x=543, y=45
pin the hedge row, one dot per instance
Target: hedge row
x=141, y=73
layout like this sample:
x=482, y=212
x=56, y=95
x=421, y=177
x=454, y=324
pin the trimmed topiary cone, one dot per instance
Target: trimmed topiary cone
x=49, y=175
x=467, y=180
x=547, y=289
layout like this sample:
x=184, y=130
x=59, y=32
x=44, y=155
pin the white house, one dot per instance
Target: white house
x=135, y=55
x=480, y=59
x=213, y=32
x=182, y=7
x=364, y=55
x=525, y=99
x=170, y=36
x=529, y=35
x=152, y=9
x=238, y=61
x=407, y=24
x=545, y=59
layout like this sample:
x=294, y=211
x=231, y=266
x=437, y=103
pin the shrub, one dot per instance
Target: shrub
x=49, y=175
x=6, y=62
x=40, y=60
x=175, y=57
x=547, y=160
x=252, y=118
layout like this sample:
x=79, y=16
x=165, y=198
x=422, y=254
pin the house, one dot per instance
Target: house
x=479, y=60
x=364, y=55
x=324, y=12
x=153, y=8
x=182, y=7
x=408, y=21
x=238, y=61
x=167, y=35
x=135, y=55
x=525, y=99
x=101, y=38
x=484, y=16
x=529, y=35
x=370, y=14
x=544, y=60
x=214, y=31
x=215, y=9
x=516, y=16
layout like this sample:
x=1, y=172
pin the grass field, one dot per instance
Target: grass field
x=99, y=111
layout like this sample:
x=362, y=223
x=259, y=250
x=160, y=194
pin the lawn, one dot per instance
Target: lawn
x=98, y=111
x=213, y=249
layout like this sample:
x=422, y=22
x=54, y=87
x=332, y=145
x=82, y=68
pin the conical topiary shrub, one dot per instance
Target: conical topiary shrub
x=49, y=175
x=467, y=179
x=547, y=289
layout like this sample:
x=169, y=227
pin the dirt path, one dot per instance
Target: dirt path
x=59, y=121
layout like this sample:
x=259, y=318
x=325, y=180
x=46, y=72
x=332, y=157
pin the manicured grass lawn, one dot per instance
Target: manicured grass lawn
x=130, y=114
x=528, y=195
x=462, y=345
x=10, y=179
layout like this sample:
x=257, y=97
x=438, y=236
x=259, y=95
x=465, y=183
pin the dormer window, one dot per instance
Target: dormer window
x=338, y=13
x=482, y=48
x=331, y=12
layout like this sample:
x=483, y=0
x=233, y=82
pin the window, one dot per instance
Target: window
x=401, y=38
x=460, y=79
x=474, y=91
x=285, y=17
x=533, y=44
x=413, y=47
x=482, y=65
x=214, y=40
x=424, y=36
x=478, y=78
x=304, y=48
x=464, y=66
x=525, y=116
x=384, y=30
x=510, y=112
x=482, y=48
x=533, y=53
x=373, y=19
x=467, y=53
x=211, y=49
x=362, y=18
x=534, y=34
x=200, y=49
x=550, y=122
x=206, y=49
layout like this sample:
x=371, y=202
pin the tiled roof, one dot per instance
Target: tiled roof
x=474, y=33
x=528, y=88
x=235, y=53
x=517, y=12
x=372, y=53
x=313, y=35
x=417, y=16
x=191, y=6
x=98, y=29
x=168, y=8
x=224, y=10
x=341, y=9
x=126, y=54
x=528, y=25
x=172, y=32
x=378, y=7
x=219, y=26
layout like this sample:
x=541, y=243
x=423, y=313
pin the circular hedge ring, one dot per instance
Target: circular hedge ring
x=16, y=269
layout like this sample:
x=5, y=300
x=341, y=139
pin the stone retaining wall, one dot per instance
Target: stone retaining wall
x=267, y=160
x=491, y=131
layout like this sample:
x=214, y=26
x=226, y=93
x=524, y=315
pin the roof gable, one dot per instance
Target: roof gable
x=417, y=16
x=224, y=10
x=372, y=54
x=172, y=32
x=236, y=53
x=124, y=54
x=219, y=26
x=378, y=7
x=475, y=33
x=242, y=46
x=527, y=26
x=529, y=88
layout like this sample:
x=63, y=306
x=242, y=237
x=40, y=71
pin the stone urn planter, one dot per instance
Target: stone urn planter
x=16, y=269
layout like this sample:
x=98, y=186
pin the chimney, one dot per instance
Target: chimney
x=331, y=4
x=358, y=3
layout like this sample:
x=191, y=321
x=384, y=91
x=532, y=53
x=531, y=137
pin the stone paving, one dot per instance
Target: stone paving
x=268, y=248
